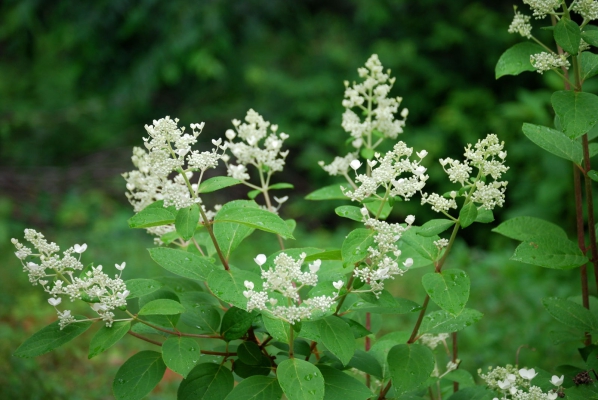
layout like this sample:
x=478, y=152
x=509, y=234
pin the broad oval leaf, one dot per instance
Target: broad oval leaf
x=385, y=303
x=235, y=323
x=51, y=337
x=256, y=388
x=277, y=328
x=151, y=216
x=250, y=353
x=517, y=59
x=340, y=386
x=338, y=338
x=230, y=235
x=138, y=376
x=355, y=247
x=180, y=354
x=162, y=307
x=590, y=36
x=588, y=65
x=423, y=245
x=244, y=212
x=229, y=287
x=550, y=252
x=186, y=221
x=449, y=289
x=468, y=214
x=527, y=228
x=444, y=322
x=332, y=192
x=300, y=380
x=350, y=212
x=183, y=263
x=434, y=226
x=577, y=111
x=410, y=366
x=571, y=314
x=206, y=381
x=216, y=183
x=141, y=287
x=555, y=142
x=106, y=337
x=567, y=35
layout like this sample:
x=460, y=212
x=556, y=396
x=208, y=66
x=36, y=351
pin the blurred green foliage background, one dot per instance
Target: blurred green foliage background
x=78, y=80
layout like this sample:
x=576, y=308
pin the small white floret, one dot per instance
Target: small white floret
x=528, y=374
x=338, y=285
x=556, y=381
x=54, y=301
x=260, y=259
x=80, y=248
x=355, y=164
x=120, y=267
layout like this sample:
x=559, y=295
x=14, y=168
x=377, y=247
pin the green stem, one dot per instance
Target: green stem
x=291, y=340
x=420, y=318
x=590, y=206
x=344, y=296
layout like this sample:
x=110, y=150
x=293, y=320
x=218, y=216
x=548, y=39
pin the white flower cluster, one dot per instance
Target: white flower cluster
x=542, y=7
x=287, y=279
x=247, y=150
x=386, y=172
x=546, y=61
x=340, y=165
x=521, y=25
x=169, y=149
x=488, y=156
x=432, y=341
x=373, y=91
x=383, y=258
x=588, y=9
x=516, y=384
x=56, y=276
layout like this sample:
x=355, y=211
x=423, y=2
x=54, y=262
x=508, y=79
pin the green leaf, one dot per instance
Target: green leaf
x=183, y=263
x=593, y=147
x=245, y=213
x=434, y=226
x=230, y=235
x=350, y=212
x=443, y=322
x=277, y=328
x=51, y=337
x=550, y=252
x=207, y=381
x=153, y=215
x=202, y=312
x=141, y=287
x=162, y=307
x=256, y=388
x=571, y=314
x=385, y=304
x=590, y=36
x=355, y=246
x=300, y=380
x=593, y=175
x=264, y=368
x=357, y=329
x=567, y=35
x=282, y=185
x=180, y=354
x=229, y=287
x=410, y=366
x=555, y=142
x=484, y=216
x=473, y=393
x=235, y=323
x=527, y=228
x=186, y=221
x=217, y=183
x=367, y=363
x=468, y=214
x=449, y=289
x=138, y=376
x=336, y=335
x=461, y=376
x=340, y=386
x=517, y=59
x=166, y=321
x=106, y=337
x=588, y=65
x=252, y=194
x=577, y=111
x=330, y=255
x=423, y=245
x=332, y=192
x=374, y=207
x=250, y=353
